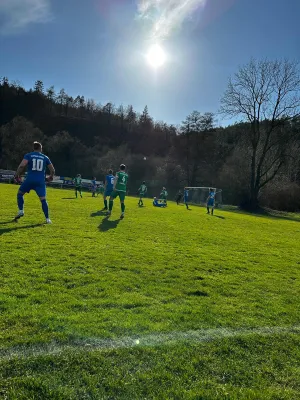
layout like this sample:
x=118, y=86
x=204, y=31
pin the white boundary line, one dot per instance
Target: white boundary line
x=151, y=340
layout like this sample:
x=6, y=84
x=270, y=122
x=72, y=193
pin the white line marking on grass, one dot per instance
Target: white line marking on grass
x=151, y=340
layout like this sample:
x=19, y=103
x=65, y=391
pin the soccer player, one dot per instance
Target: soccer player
x=100, y=189
x=109, y=187
x=164, y=195
x=178, y=197
x=186, y=198
x=158, y=203
x=142, y=191
x=36, y=163
x=120, y=186
x=94, y=187
x=77, y=182
x=211, y=201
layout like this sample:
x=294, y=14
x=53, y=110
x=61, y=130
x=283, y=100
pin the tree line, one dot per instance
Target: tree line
x=254, y=161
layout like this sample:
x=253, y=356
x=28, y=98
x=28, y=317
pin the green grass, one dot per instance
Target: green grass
x=195, y=290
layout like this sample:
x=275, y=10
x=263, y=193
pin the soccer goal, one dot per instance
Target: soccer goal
x=199, y=195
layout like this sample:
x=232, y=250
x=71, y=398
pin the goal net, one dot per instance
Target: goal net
x=199, y=195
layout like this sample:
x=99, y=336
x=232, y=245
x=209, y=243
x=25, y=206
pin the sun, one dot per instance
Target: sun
x=156, y=56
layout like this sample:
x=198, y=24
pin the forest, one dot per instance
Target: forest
x=255, y=161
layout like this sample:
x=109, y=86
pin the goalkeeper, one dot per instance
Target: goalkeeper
x=142, y=191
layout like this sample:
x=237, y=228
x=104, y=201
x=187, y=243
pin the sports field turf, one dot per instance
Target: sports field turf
x=165, y=304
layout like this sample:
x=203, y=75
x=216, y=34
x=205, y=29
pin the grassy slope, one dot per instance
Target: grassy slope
x=157, y=271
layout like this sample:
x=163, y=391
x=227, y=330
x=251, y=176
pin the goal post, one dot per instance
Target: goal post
x=198, y=195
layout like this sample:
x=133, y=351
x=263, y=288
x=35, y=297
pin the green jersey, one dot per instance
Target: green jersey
x=143, y=189
x=77, y=181
x=122, y=179
x=163, y=194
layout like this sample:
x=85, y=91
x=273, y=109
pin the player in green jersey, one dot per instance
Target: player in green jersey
x=142, y=191
x=120, y=186
x=100, y=189
x=77, y=182
x=164, y=194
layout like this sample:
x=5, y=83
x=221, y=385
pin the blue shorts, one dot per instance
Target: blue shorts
x=108, y=192
x=38, y=187
x=211, y=203
x=186, y=199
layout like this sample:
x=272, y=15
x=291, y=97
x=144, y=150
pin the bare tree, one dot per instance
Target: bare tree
x=265, y=94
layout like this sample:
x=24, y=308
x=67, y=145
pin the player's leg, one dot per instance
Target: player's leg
x=80, y=191
x=76, y=191
x=113, y=195
x=122, y=201
x=41, y=192
x=106, y=195
x=105, y=202
x=20, y=202
x=24, y=188
x=212, y=209
x=207, y=206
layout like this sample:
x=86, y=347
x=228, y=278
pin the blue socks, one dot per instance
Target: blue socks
x=45, y=208
x=20, y=200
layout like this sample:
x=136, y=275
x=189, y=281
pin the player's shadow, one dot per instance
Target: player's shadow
x=107, y=224
x=99, y=213
x=16, y=227
x=219, y=216
x=68, y=198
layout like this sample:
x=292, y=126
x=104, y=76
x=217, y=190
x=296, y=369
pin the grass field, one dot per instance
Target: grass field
x=165, y=304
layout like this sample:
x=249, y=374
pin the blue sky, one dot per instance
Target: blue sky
x=97, y=48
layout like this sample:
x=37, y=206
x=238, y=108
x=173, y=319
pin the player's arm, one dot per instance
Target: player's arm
x=115, y=182
x=52, y=172
x=21, y=167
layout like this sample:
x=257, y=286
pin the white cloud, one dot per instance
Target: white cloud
x=17, y=15
x=167, y=15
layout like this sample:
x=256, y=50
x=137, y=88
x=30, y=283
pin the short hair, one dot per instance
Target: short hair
x=144, y=182
x=110, y=171
x=37, y=145
x=122, y=167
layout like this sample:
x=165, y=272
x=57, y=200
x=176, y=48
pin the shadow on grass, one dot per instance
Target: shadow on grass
x=219, y=216
x=107, y=224
x=16, y=228
x=265, y=213
x=69, y=198
x=99, y=213
x=7, y=222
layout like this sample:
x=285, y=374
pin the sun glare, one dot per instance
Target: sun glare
x=156, y=56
